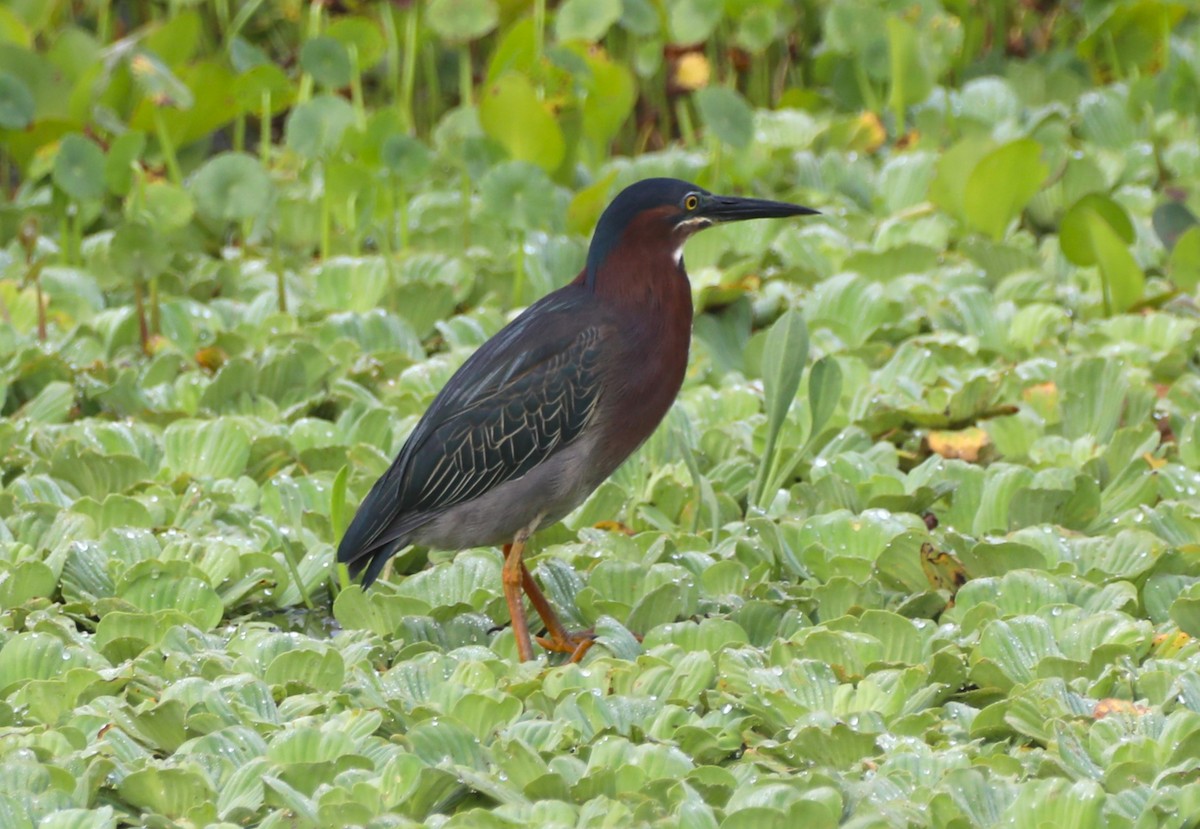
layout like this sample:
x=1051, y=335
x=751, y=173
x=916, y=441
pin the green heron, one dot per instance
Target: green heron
x=551, y=405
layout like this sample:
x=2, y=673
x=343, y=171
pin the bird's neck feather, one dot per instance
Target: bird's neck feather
x=648, y=291
x=645, y=273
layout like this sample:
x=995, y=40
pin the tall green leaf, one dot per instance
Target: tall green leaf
x=784, y=355
x=1002, y=183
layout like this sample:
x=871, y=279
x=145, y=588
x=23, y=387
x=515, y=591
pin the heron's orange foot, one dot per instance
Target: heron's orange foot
x=577, y=643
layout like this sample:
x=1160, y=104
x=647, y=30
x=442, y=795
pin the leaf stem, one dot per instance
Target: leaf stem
x=401, y=199
x=433, y=91
x=683, y=117
x=264, y=129
x=519, y=269
x=294, y=569
x=280, y=282
x=408, y=79
x=465, y=193
x=167, y=147
x=155, y=310
x=140, y=304
x=539, y=40
x=356, y=89
x=387, y=20
x=865, y=89
x=464, y=75
x=36, y=271
x=103, y=22
x=239, y=132
x=326, y=217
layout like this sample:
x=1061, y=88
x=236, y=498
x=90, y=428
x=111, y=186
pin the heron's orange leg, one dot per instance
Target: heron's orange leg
x=511, y=576
x=560, y=639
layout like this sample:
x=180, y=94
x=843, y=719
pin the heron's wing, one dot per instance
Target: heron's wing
x=505, y=432
x=524, y=395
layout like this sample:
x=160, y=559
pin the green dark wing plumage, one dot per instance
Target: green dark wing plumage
x=524, y=395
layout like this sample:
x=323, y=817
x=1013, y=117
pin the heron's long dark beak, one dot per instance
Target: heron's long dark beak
x=734, y=209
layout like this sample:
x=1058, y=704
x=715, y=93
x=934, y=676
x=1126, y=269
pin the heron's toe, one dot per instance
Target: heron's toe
x=576, y=643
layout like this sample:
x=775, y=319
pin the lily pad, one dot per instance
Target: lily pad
x=231, y=187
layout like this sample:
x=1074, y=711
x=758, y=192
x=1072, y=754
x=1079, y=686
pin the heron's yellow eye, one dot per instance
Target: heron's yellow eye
x=691, y=202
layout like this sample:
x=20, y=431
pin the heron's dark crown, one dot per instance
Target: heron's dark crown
x=635, y=199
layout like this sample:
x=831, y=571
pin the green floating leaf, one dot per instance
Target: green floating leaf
x=363, y=33
x=146, y=628
x=693, y=21
x=462, y=20
x=1185, y=611
x=663, y=604
x=757, y=817
x=1132, y=38
x=165, y=207
x=1171, y=220
x=640, y=17
x=1075, y=228
x=1073, y=504
x=356, y=610
x=263, y=82
x=99, y=818
x=1016, y=646
x=79, y=168
x=522, y=195
x=53, y=404
x=1059, y=803
x=709, y=635
x=174, y=792
x=611, y=94
x=484, y=714
x=309, y=668
x=231, y=187
x=155, y=592
x=349, y=283
x=137, y=252
x=444, y=740
x=953, y=169
x=309, y=745
x=178, y=35
x=122, y=161
x=471, y=579
x=16, y=103
x=1184, y=263
x=29, y=656
x=315, y=128
x=245, y=56
x=25, y=580
x=206, y=449
x=293, y=800
x=1124, y=280
x=1096, y=231
x=1001, y=184
x=586, y=19
x=511, y=113
x=726, y=114
x=405, y=157
x=327, y=61
x=97, y=474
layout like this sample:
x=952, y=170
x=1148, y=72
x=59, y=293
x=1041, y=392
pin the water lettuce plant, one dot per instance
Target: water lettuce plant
x=917, y=546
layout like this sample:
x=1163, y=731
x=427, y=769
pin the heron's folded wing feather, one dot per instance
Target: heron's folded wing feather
x=506, y=432
x=524, y=395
